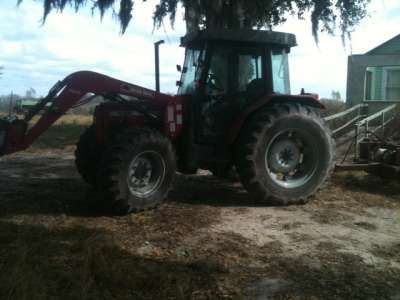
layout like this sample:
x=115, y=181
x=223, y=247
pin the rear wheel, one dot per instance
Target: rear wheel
x=137, y=172
x=285, y=153
x=87, y=155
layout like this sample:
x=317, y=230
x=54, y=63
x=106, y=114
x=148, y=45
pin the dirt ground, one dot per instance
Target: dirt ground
x=208, y=241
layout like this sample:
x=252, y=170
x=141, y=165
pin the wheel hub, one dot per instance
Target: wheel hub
x=141, y=172
x=284, y=156
x=145, y=174
x=291, y=158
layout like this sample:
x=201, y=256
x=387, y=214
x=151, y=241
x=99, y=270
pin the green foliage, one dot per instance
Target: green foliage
x=17, y=101
x=332, y=106
x=326, y=15
x=336, y=96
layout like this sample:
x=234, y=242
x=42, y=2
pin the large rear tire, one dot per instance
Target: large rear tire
x=87, y=155
x=137, y=171
x=285, y=154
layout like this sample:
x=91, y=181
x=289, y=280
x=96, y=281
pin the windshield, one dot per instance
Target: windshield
x=188, y=78
x=280, y=72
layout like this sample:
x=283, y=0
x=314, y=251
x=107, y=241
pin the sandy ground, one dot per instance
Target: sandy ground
x=208, y=241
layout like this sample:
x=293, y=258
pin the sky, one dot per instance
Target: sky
x=37, y=56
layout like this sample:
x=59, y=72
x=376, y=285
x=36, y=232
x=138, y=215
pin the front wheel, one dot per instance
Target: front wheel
x=87, y=155
x=137, y=172
x=285, y=154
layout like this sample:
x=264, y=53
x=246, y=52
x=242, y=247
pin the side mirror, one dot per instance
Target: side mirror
x=179, y=83
x=179, y=68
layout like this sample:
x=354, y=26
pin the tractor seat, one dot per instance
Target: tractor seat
x=256, y=88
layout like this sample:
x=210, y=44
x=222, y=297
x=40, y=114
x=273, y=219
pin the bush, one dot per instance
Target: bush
x=332, y=107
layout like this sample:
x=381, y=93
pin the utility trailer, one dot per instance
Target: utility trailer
x=233, y=110
x=376, y=141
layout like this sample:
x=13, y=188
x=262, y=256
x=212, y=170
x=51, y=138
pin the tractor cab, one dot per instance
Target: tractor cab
x=225, y=71
x=229, y=62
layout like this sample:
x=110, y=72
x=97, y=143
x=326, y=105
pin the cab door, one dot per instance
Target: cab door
x=234, y=77
x=213, y=106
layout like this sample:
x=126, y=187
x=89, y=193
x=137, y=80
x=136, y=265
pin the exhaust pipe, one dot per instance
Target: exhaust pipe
x=157, y=63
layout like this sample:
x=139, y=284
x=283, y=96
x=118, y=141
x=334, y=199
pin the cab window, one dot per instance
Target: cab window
x=218, y=77
x=188, y=80
x=280, y=72
x=250, y=72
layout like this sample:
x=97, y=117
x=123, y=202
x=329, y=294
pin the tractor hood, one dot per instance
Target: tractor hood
x=281, y=39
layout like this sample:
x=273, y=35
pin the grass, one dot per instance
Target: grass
x=65, y=132
x=59, y=137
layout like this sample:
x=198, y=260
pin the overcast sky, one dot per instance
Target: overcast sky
x=37, y=56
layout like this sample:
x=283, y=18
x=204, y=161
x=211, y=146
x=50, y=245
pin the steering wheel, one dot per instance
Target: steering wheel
x=214, y=83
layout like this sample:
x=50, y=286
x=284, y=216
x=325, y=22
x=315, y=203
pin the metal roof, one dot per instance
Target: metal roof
x=241, y=35
x=389, y=47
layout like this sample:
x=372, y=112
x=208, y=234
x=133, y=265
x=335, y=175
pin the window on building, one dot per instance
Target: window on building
x=392, y=86
x=382, y=83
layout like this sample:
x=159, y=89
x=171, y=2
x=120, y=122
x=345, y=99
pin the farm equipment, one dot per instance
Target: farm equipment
x=232, y=110
x=376, y=148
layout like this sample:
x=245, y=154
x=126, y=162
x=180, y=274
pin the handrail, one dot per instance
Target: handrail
x=347, y=124
x=362, y=128
x=357, y=108
x=376, y=115
x=365, y=123
x=344, y=113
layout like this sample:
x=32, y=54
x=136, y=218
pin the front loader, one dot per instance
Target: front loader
x=233, y=110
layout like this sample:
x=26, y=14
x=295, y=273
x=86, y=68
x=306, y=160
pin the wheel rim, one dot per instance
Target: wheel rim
x=291, y=158
x=146, y=174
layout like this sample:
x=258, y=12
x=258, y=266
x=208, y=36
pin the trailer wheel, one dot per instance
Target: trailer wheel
x=285, y=154
x=88, y=155
x=137, y=171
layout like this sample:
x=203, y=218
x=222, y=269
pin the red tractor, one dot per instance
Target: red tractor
x=232, y=110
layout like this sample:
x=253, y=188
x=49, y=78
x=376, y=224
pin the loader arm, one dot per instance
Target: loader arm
x=66, y=94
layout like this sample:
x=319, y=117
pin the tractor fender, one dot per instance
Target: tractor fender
x=306, y=99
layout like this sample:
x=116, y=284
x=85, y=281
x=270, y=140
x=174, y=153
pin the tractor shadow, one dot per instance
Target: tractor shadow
x=46, y=184
x=209, y=190
x=50, y=196
x=72, y=197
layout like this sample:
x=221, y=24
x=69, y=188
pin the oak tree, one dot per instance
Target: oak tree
x=326, y=15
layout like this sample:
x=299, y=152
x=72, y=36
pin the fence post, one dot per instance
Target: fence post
x=11, y=104
x=356, y=142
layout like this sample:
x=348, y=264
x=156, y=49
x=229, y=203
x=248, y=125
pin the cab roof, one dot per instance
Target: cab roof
x=282, y=39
